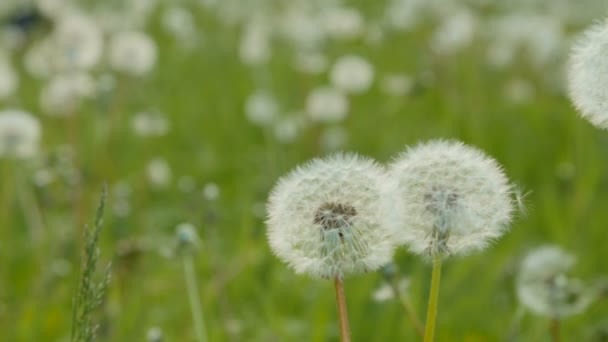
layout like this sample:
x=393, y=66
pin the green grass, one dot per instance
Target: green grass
x=248, y=294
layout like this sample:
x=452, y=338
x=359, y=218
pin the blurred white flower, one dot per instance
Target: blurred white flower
x=55, y=8
x=255, y=46
x=342, y=22
x=154, y=334
x=9, y=80
x=261, y=108
x=133, y=53
x=302, y=29
x=211, y=191
x=64, y=93
x=179, y=22
x=150, y=124
x=333, y=217
x=397, y=84
x=541, y=37
x=287, y=128
x=455, y=32
x=38, y=59
x=159, y=173
x=545, y=288
x=327, y=104
x=352, y=74
x=19, y=134
x=313, y=63
x=187, y=238
x=78, y=42
x=588, y=75
x=385, y=292
x=456, y=199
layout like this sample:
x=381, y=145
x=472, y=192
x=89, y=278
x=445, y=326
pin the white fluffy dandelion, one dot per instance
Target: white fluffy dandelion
x=588, y=75
x=545, y=288
x=19, y=134
x=333, y=217
x=456, y=199
x=132, y=52
x=327, y=104
x=352, y=74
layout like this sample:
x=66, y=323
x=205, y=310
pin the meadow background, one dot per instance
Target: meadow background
x=224, y=111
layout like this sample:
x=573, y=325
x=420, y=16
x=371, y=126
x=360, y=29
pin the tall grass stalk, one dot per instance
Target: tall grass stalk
x=90, y=292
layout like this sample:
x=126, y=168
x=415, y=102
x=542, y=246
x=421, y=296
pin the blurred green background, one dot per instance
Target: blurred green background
x=494, y=79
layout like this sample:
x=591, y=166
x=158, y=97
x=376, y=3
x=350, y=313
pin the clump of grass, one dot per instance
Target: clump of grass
x=91, y=291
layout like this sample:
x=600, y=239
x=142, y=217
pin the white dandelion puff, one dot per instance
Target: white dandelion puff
x=327, y=104
x=333, y=217
x=588, y=75
x=19, y=134
x=455, y=198
x=352, y=74
x=545, y=288
x=133, y=53
x=261, y=108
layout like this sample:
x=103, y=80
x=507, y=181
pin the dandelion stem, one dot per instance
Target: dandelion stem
x=404, y=299
x=29, y=206
x=342, y=311
x=555, y=335
x=195, y=302
x=431, y=314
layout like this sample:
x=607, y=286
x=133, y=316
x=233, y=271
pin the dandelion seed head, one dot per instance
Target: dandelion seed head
x=333, y=217
x=186, y=237
x=588, y=75
x=352, y=74
x=9, y=79
x=261, y=108
x=19, y=134
x=544, y=286
x=455, y=199
x=133, y=53
x=327, y=104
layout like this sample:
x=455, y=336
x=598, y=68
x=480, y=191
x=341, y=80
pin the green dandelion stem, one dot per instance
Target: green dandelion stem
x=406, y=303
x=342, y=311
x=431, y=314
x=195, y=302
x=555, y=334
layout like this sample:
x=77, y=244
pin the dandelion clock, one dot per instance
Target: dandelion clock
x=334, y=217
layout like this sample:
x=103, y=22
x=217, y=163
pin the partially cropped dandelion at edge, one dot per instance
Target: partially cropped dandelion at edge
x=331, y=218
x=588, y=74
x=455, y=200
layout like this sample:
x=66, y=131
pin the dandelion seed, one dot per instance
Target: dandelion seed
x=333, y=217
x=455, y=198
